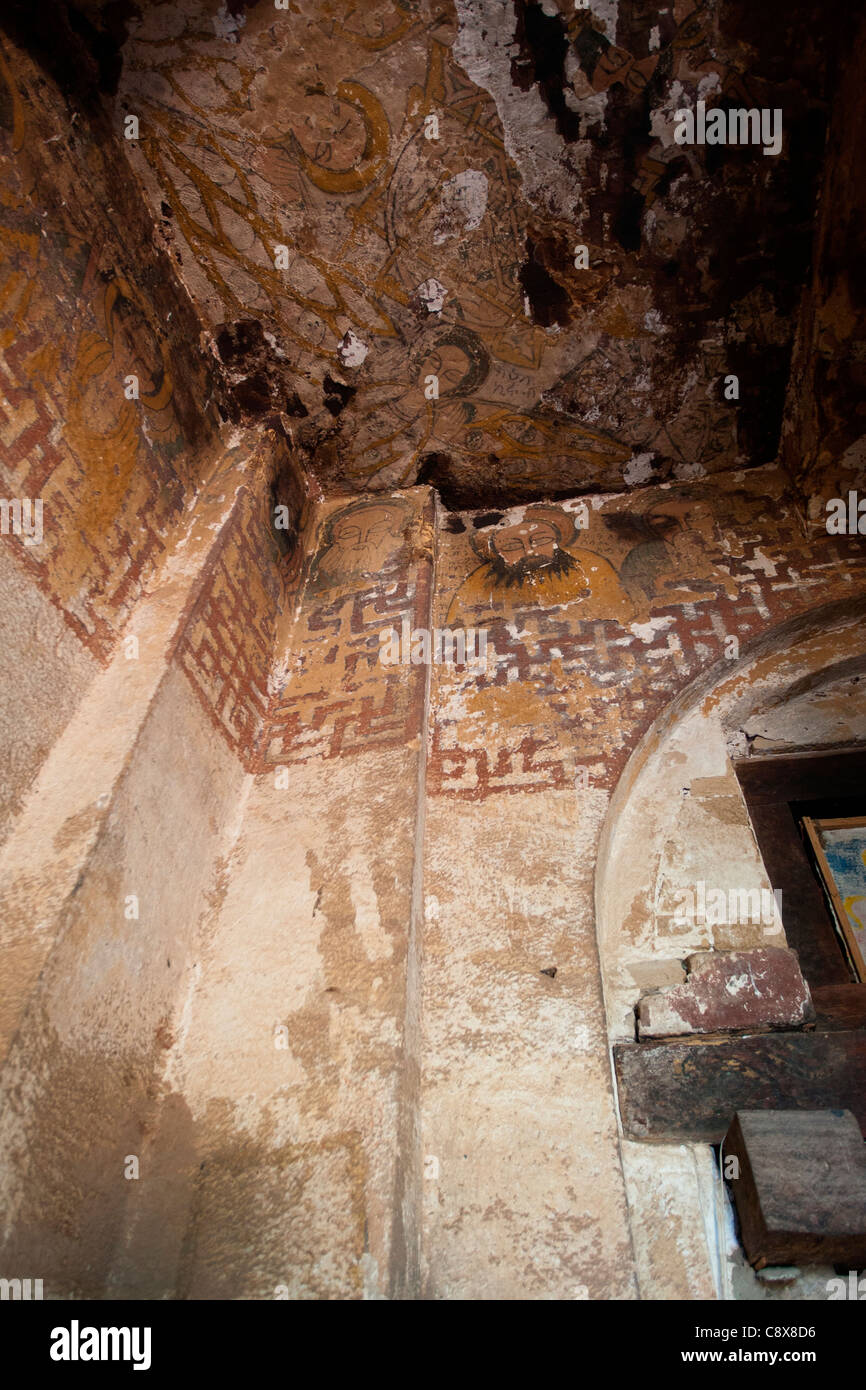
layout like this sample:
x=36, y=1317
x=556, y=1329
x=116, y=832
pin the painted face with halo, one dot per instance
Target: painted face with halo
x=530, y=545
x=362, y=539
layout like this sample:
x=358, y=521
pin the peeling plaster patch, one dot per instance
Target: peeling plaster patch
x=462, y=205
x=273, y=344
x=684, y=471
x=854, y=457
x=351, y=351
x=647, y=631
x=456, y=709
x=365, y=904
x=737, y=983
x=279, y=674
x=432, y=295
x=638, y=469
x=723, y=993
x=763, y=563
x=662, y=118
x=592, y=111
x=607, y=12
x=484, y=48
x=513, y=516
x=226, y=25
x=590, y=106
x=579, y=507
x=654, y=38
x=709, y=84
x=369, y=1269
x=652, y=321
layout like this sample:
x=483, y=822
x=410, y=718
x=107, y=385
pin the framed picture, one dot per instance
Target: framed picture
x=839, y=848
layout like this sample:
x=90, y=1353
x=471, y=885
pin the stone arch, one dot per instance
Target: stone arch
x=678, y=813
x=678, y=810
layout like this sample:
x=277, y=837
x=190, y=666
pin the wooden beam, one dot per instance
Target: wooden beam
x=839, y=1007
x=799, y=1183
x=690, y=1090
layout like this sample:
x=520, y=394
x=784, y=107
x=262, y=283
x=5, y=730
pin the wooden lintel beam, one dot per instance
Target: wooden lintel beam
x=689, y=1091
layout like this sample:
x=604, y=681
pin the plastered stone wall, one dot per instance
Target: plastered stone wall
x=79, y=1081
x=679, y=817
x=35, y=708
x=292, y=1138
x=63, y=813
x=396, y=958
x=106, y=872
x=87, y=300
x=249, y=1038
x=677, y=1215
x=288, y=1120
x=831, y=716
x=523, y=1190
x=685, y=822
x=592, y=629
x=388, y=916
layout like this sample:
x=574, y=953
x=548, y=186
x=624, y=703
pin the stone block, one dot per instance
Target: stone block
x=729, y=992
x=801, y=1190
x=656, y=974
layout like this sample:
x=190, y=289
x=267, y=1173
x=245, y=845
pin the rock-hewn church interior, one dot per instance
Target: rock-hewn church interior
x=432, y=595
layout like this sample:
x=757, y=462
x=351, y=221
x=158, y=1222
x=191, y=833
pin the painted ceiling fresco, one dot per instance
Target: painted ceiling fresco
x=373, y=203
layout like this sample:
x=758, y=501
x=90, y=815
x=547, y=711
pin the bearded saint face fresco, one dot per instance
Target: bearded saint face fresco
x=362, y=539
x=681, y=569
x=531, y=546
x=533, y=563
x=680, y=515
